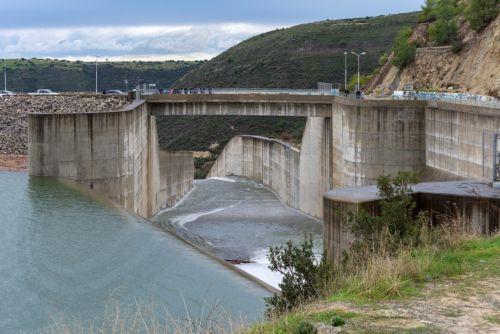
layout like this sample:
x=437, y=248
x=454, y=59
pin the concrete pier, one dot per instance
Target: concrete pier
x=116, y=154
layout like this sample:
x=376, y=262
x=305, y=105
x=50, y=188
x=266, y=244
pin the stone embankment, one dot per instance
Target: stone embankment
x=14, y=112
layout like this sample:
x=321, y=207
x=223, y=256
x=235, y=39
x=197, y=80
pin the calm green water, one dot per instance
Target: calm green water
x=65, y=255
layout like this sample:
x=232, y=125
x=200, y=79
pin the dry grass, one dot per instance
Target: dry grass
x=374, y=273
x=150, y=319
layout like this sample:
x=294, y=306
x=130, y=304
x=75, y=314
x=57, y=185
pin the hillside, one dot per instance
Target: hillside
x=470, y=63
x=27, y=75
x=301, y=56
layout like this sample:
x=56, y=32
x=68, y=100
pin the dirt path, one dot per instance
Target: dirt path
x=466, y=304
x=13, y=162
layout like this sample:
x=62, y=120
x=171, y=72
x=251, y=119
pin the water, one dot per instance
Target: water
x=238, y=219
x=65, y=255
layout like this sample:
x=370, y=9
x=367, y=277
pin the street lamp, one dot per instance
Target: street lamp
x=345, y=71
x=358, y=55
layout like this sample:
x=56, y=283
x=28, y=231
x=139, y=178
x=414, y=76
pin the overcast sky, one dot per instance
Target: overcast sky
x=160, y=29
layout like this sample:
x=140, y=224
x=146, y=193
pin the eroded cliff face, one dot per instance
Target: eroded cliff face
x=475, y=69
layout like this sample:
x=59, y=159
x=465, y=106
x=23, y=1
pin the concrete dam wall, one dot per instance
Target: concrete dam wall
x=116, y=154
x=299, y=178
x=346, y=143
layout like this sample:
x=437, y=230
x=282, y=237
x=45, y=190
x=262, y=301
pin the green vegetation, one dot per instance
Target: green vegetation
x=289, y=323
x=301, y=56
x=404, y=50
x=481, y=12
x=428, y=11
x=444, y=13
x=305, y=327
x=302, y=275
x=27, y=75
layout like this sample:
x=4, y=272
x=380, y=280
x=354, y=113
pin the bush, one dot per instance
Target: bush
x=442, y=32
x=481, y=12
x=404, y=50
x=305, y=327
x=383, y=59
x=337, y=321
x=301, y=274
x=396, y=226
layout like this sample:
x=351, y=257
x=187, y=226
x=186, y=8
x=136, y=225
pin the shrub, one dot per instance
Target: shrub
x=337, y=321
x=442, y=32
x=480, y=12
x=383, y=59
x=404, y=50
x=305, y=327
x=396, y=225
x=300, y=272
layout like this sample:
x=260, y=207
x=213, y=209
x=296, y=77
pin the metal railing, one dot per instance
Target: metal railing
x=462, y=98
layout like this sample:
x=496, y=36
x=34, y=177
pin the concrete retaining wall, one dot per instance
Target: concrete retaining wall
x=459, y=139
x=372, y=138
x=114, y=153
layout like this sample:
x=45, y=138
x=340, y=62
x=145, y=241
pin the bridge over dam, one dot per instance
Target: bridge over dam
x=347, y=144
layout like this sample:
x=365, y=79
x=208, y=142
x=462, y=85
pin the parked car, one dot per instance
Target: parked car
x=44, y=91
x=6, y=93
x=115, y=92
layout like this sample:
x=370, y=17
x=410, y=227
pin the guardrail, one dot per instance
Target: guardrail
x=462, y=98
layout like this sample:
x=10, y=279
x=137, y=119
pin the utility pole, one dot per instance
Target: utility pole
x=4, y=74
x=358, y=55
x=345, y=71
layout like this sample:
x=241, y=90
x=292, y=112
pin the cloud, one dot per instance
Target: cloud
x=188, y=42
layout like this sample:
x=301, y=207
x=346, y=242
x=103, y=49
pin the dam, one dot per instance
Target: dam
x=347, y=144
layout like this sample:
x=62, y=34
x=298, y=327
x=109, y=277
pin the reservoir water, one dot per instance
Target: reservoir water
x=65, y=255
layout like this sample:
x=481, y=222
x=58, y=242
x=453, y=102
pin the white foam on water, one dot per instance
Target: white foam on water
x=260, y=268
x=225, y=179
x=184, y=219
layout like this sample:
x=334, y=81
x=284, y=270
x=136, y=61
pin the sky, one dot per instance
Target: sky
x=160, y=29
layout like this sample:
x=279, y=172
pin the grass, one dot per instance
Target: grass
x=405, y=274
x=287, y=323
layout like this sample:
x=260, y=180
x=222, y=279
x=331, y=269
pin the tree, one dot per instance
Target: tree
x=443, y=32
x=404, y=50
x=428, y=11
x=445, y=29
x=480, y=12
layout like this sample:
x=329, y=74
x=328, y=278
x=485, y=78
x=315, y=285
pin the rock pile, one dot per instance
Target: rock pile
x=14, y=114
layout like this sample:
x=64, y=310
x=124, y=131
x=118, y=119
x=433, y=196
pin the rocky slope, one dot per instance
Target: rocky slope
x=475, y=69
x=14, y=115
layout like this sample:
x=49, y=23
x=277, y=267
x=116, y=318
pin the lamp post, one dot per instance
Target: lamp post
x=358, y=55
x=345, y=71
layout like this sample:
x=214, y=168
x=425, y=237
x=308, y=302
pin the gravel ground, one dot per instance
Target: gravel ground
x=14, y=111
